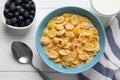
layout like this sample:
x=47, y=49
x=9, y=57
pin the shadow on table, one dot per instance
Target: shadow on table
x=82, y=77
x=13, y=32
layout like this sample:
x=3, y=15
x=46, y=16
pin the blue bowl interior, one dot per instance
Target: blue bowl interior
x=79, y=11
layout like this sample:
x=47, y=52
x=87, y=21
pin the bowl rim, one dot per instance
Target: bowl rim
x=76, y=71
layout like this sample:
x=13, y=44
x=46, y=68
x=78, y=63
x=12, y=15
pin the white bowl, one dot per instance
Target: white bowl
x=18, y=29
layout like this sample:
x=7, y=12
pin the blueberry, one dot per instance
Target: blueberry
x=32, y=6
x=6, y=12
x=12, y=7
x=14, y=20
x=7, y=4
x=9, y=15
x=16, y=25
x=31, y=17
x=27, y=6
x=22, y=24
x=20, y=18
x=30, y=2
x=32, y=12
x=22, y=10
x=8, y=21
x=26, y=14
x=28, y=21
x=18, y=7
x=17, y=13
x=18, y=1
x=13, y=3
x=25, y=1
x=23, y=5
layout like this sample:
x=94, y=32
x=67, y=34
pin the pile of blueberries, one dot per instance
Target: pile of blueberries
x=19, y=13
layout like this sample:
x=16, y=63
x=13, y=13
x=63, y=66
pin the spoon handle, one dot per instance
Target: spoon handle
x=41, y=73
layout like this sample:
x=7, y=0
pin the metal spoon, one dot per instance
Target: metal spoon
x=24, y=54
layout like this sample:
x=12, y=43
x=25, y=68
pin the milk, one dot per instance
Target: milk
x=105, y=9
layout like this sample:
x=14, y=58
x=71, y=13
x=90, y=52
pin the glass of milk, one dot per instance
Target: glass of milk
x=105, y=9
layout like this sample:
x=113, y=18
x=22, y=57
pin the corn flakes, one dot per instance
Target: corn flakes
x=70, y=40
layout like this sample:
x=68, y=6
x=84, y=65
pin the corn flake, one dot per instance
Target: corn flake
x=52, y=54
x=59, y=27
x=52, y=33
x=63, y=52
x=45, y=41
x=74, y=20
x=69, y=26
x=59, y=19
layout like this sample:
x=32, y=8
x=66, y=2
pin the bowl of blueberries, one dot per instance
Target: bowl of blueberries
x=19, y=14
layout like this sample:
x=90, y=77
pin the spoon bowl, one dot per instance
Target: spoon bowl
x=24, y=55
x=22, y=52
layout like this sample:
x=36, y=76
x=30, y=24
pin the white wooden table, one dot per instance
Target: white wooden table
x=10, y=69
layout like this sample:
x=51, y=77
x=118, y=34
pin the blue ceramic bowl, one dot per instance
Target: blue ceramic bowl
x=79, y=11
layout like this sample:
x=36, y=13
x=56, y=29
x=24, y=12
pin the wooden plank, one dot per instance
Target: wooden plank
x=19, y=76
x=35, y=76
x=55, y=3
